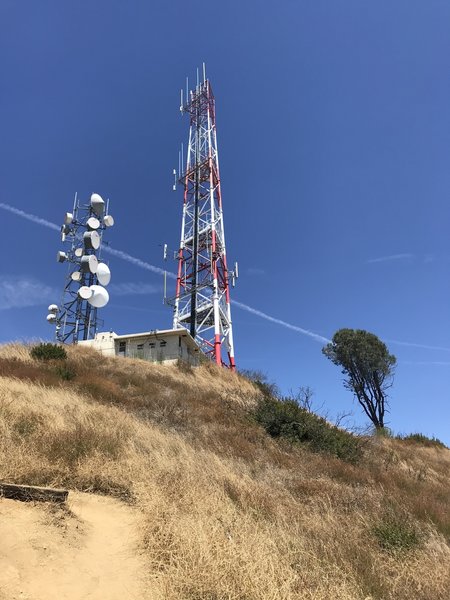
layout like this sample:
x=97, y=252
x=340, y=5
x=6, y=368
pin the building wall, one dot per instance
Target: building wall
x=155, y=348
x=103, y=342
x=164, y=349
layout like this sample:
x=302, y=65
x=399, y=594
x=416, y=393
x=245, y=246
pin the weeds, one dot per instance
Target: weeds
x=423, y=440
x=285, y=418
x=228, y=510
x=48, y=351
x=396, y=532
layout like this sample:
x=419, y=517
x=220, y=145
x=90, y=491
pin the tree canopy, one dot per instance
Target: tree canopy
x=368, y=366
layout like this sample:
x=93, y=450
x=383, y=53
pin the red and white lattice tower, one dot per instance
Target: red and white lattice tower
x=202, y=301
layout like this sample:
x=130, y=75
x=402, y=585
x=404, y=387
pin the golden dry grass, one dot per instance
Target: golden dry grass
x=228, y=512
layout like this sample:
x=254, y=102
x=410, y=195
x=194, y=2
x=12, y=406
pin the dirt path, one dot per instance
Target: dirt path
x=88, y=553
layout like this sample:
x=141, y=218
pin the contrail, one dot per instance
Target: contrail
x=413, y=345
x=136, y=261
x=29, y=217
x=149, y=267
x=390, y=258
x=254, y=311
x=105, y=247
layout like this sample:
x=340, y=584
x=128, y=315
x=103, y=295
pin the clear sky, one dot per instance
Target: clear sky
x=334, y=139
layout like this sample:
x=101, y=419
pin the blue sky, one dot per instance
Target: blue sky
x=334, y=136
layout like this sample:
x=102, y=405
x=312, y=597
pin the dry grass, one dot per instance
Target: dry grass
x=229, y=513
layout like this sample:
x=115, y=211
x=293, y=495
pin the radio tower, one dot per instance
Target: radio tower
x=202, y=301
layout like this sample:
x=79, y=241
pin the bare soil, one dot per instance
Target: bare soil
x=86, y=550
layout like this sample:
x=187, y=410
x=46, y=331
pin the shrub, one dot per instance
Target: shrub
x=420, y=438
x=285, y=418
x=66, y=373
x=48, y=351
x=396, y=533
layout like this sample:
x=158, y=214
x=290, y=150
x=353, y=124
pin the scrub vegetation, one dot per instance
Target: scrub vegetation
x=243, y=496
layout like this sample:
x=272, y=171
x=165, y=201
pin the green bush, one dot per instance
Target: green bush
x=48, y=351
x=66, y=373
x=420, y=438
x=285, y=418
x=396, y=533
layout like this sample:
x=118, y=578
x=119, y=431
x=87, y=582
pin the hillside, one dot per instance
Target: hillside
x=218, y=509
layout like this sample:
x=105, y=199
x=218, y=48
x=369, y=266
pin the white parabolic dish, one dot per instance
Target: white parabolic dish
x=51, y=318
x=85, y=292
x=89, y=264
x=79, y=252
x=103, y=274
x=53, y=308
x=93, y=223
x=97, y=203
x=100, y=296
x=91, y=240
x=76, y=276
x=108, y=221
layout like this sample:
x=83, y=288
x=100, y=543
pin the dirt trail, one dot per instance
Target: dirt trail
x=88, y=553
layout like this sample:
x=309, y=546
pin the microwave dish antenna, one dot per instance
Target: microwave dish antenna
x=99, y=296
x=108, y=221
x=93, y=223
x=103, y=274
x=97, y=204
x=76, y=318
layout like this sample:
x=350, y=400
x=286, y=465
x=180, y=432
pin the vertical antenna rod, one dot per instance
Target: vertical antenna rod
x=202, y=300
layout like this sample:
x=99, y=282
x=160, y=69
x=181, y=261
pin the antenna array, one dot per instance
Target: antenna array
x=84, y=290
x=202, y=301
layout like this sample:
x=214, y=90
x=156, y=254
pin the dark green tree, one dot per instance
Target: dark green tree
x=368, y=367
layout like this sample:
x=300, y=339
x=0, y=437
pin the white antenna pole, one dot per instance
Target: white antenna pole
x=204, y=73
x=187, y=89
x=198, y=79
x=181, y=100
x=182, y=157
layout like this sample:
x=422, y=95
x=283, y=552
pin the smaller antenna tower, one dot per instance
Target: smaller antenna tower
x=84, y=290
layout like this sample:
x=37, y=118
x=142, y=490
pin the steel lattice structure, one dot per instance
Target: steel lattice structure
x=76, y=316
x=202, y=301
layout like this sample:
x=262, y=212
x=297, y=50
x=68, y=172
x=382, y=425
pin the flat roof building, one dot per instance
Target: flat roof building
x=165, y=346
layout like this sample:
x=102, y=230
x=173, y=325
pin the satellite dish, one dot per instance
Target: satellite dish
x=76, y=276
x=100, y=296
x=51, y=318
x=61, y=256
x=103, y=274
x=108, y=221
x=79, y=252
x=97, y=204
x=93, y=223
x=89, y=264
x=85, y=292
x=53, y=308
x=68, y=218
x=91, y=240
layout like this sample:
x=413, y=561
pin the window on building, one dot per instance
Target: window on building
x=122, y=348
x=162, y=344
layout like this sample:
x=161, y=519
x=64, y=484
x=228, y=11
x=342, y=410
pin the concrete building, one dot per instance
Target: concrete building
x=166, y=346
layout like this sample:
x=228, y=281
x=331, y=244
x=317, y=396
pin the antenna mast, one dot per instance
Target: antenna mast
x=84, y=292
x=202, y=300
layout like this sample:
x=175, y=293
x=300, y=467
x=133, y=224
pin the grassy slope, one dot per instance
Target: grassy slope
x=229, y=513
